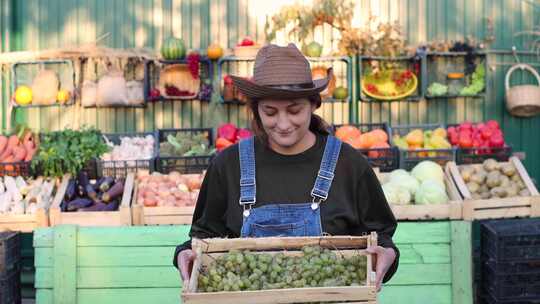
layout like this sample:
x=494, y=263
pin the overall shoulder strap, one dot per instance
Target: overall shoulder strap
x=326, y=171
x=247, y=171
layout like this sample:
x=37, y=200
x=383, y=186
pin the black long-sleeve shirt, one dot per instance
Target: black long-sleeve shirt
x=356, y=204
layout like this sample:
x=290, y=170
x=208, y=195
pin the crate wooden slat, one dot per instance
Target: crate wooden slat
x=508, y=207
x=27, y=222
x=121, y=217
x=361, y=294
x=451, y=210
x=160, y=215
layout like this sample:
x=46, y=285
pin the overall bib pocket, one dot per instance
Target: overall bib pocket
x=286, y=229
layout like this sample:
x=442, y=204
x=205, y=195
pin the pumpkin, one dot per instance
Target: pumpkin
x=214, y=51
x=347, y=133
x=320, y=72
x=380, y=135
x=173, y=49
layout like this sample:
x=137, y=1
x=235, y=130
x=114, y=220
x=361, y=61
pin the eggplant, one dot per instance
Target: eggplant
x=112, y=206
x=83, y=181
x=106, y=183
x=97, y=183
x=99, y=206
x=79, y=203
x=114, y=192
x=91, y=193
x=70, y=191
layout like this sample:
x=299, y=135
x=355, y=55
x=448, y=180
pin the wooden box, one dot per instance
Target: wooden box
x=28, y=222
x=493, y=208
x=450, y=210
x=207, y=249
x=121, y=217
x=160, y=215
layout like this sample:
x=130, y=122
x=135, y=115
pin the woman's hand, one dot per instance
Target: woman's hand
x=185, y=263
x=383, y=259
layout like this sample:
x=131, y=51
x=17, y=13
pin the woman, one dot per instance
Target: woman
x=292, y=178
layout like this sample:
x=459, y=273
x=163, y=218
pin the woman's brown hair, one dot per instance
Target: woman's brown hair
x=317, y=124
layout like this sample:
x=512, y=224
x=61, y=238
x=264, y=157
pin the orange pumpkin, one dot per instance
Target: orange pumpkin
x=214, y=51
x=378, y=145
x=347, y=133
x=380, y=135
x=320, y=72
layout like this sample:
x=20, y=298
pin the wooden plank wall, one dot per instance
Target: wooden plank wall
x=134, y=264
x=29, y=25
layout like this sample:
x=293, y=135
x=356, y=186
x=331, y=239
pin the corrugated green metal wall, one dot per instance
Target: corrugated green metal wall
x=40, y=24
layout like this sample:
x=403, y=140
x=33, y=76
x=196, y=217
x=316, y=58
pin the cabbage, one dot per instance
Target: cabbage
x=398, y=172
x=396, y=194
x=405, y=180
x=427, y=170
x=431, y=192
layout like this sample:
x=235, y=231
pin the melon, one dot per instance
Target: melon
x=173, y=49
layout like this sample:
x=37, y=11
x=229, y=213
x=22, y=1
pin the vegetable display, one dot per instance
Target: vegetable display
x=20, y=196
x=185, y=144
x=130, y=148
x=481, y=135
x=492, y=179
x=313, y=267
x=20, y=146
x=104, y=194
x=423, y=185
x=374, y=139
x=422, y=139
x=68, y=151
x=173, y=189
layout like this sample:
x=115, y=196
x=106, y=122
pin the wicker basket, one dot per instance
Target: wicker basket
x=523, y=100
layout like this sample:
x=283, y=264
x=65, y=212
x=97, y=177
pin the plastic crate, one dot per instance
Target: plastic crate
x=387, y=158
x=183, y=164
x=410, y=158
x=511, y=240
x=513, y=267
x=120, y=168
x=10, y=251
x=15, y=169
x=506, y=286
x=489, y=299
x=10, y=286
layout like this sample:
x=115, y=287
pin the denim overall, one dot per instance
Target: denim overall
x=283, y=219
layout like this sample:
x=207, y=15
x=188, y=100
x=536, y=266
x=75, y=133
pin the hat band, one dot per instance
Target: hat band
x=293, y=86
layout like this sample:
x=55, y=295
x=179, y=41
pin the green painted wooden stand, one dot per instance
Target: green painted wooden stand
x=87, y=265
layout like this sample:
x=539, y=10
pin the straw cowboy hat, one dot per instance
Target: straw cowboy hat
x=281, y=72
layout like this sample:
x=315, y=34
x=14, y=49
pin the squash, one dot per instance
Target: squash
x=347, y=133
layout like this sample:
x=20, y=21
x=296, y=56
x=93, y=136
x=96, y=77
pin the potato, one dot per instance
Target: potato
x=476, y=196
x=505, y=181
x=493, y=181
x=524, y=192
x=466, y=173
x=490, y=164
x=508, y=169
x=515, y=178
x=483, y=188
x=485, y=195
x=498, y=192
x=473, y=187
x=521, y=185
x=496, y=174
x=512, y=191
x=478, y=178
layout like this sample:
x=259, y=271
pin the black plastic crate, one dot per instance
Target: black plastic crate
x=386, y=159
x=183, y=164
x=15, y=169
x=489, y=299
x=410, y=158
x=10, y=251
x=506, y=286
x=512, y=267
x=511, y=240
x=120, y=168
x=10, y=286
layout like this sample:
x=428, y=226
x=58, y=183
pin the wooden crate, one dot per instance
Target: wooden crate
x=27, y=222
x=508, y=207
x=451, y=210
x=207, y=249
x=160, y=215
x=121, y=217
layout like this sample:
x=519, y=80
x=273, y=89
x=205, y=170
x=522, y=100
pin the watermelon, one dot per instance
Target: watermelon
x=173, y=49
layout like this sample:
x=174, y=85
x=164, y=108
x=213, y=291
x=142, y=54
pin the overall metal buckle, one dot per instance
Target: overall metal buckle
x=247, y=210
x=316, y=202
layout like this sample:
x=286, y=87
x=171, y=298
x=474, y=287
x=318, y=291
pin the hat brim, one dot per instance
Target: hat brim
x=253, y=90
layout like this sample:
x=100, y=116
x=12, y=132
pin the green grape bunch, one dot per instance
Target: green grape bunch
x=312, y=267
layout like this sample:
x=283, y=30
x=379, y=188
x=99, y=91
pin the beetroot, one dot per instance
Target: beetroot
x=227, y=131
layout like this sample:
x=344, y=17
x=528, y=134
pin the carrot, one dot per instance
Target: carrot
x=7, y=152
x=30, y=153
x=19, y=153
x=13, y=141
x=3, y=143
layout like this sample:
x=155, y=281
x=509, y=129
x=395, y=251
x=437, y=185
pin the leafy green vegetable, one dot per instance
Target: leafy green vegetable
x=477, y=84
x=68, y=151
x=185, y=144
x=437, y=89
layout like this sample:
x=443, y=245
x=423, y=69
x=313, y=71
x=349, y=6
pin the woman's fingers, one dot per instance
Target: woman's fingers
x=186, y=258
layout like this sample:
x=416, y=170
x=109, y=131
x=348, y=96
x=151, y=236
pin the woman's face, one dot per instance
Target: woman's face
x=286, y=122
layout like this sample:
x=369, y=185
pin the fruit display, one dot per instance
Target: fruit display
x=20, y=196
x=389, y=84
x=15, y=149
x=82, y=194
x=418, y=138
x=173, y=189
x=173, y=49
x=493, y=179
x=184, y=144
x=228, y=134
x=241, y=270
x=425, y=184
x=373, y=139
x=45, y=90
x=480, y=135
